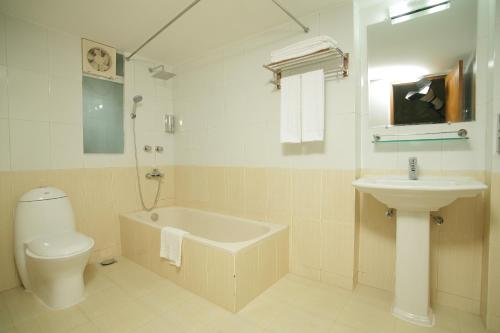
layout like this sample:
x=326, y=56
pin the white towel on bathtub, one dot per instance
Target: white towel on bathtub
x=171, y=245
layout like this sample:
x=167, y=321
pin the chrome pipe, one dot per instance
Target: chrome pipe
x=163, y=28
x=306, y=29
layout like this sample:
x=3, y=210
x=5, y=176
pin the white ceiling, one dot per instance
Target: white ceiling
x=125, y=24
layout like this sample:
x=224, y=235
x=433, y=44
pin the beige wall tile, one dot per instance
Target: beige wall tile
x=283, y=246
x=377, y=247
x=247, y=282
x=306, y=243
x=216, y=189
x=494, y=277
x=279, y=204
x=221, y=282
x=255, y=193
x=268, y=263
x=337, y=248
x=338, y=202
x=306, y=194
x=194, y=264
x=235, y=193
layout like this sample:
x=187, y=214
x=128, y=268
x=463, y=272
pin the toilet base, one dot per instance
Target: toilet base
x=58, y=283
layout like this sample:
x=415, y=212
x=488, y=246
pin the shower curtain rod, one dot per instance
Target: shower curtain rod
x=185, y=10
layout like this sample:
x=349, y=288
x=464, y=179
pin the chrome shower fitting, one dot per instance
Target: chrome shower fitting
x=155, y=174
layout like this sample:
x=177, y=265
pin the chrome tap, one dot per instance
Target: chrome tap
x=154, y=174
x=412, y=168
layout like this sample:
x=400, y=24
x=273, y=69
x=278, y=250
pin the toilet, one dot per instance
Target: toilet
x=50, y=255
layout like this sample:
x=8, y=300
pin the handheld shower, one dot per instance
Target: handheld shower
x=136, y=99
x=155, y=174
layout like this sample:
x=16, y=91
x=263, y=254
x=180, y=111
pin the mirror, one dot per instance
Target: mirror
x=421, y=70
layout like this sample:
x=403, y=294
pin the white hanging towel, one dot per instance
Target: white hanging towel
x=313, y=105
x=290, y=131
x=171, y=245
x=303, y=48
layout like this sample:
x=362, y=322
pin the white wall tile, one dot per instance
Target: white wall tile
x=30, y=145
x=4, y=96
x=28, y=95
x=2, y=40
x=66, y=148
x=65, y=58
x=65, y=100
x=4, y=145
x=26, y=46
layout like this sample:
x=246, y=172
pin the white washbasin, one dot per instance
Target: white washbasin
x=414, y=200
x=424, y=194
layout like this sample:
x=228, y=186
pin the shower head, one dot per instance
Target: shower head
x=136, y=99
x=159, y=72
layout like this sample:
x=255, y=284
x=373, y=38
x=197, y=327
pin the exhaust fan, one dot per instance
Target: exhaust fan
x=98, y=59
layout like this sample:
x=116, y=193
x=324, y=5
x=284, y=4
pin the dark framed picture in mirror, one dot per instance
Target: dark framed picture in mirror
x=439, y=98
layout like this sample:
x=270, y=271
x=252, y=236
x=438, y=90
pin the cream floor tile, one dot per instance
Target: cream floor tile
x=124, y=318
x=53, y=321
x=104, y=301
x=132, y=278
x=95, y=281
x=164, y=297
x=234, y=324
x=367, y=317
x=447, y=318
x=404, y=327
x=195, y=315
x=5, y=319
x=159, y=325
x=127, y=298
x=340, y=328
x=85, y=328
x=22, y=305
x=372, y=296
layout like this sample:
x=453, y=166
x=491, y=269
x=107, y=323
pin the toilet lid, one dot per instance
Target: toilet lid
x=63, y=244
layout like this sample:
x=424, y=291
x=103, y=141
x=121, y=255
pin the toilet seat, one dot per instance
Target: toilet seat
x=61, y=245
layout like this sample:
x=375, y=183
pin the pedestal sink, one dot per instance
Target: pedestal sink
x=414, y=200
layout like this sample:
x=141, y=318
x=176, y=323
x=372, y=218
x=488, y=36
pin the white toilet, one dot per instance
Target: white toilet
x=50, y=254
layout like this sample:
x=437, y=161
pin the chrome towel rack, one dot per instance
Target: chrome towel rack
x=339, y=70
x=460, y=134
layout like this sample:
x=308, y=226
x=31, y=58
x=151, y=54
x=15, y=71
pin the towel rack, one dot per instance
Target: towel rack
x=336, y=72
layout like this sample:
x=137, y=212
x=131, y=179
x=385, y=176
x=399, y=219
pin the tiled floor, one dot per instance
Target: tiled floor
x=125, y=297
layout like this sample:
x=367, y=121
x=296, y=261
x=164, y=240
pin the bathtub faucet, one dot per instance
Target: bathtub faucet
x=155, y=174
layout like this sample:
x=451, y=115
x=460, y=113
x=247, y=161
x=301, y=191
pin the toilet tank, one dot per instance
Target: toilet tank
x=40, y=212
x=43, y=211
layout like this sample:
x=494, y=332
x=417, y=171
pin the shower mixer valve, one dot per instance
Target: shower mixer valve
x=148, y=148
x=154, y=174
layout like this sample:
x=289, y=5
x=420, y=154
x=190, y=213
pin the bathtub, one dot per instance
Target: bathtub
x=228, y=260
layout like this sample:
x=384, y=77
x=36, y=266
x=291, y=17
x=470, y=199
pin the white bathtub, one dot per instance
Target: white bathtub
x=228, y=260
x=225, y=232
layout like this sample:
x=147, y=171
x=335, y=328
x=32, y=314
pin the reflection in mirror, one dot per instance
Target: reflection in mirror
x=421, y=70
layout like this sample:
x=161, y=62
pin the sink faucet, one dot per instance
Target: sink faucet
x=412, y=168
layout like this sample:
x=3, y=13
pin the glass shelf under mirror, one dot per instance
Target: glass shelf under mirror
x=418, y=140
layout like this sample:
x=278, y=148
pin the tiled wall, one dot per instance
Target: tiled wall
x=229, y=158
x=97, y=197
x=491, y=290
x=456, y=249
x=41, y=136
x=457, y=246
x=316, y=204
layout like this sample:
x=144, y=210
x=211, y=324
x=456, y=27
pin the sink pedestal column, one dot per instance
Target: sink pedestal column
x=412, y=301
